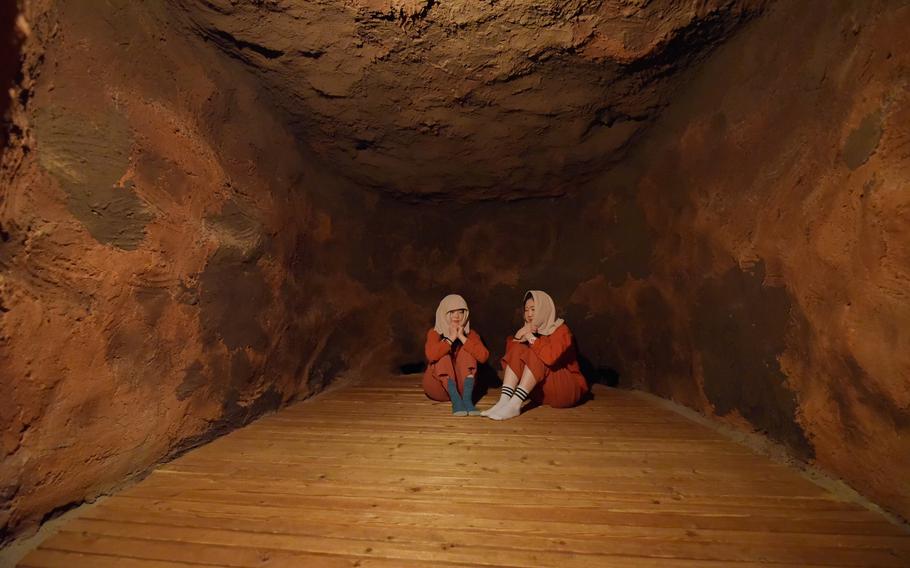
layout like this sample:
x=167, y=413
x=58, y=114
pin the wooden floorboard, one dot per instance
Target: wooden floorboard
x=378, y=476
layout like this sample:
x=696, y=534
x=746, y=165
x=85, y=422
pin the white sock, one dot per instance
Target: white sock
x=512, y=408
x=503, y=398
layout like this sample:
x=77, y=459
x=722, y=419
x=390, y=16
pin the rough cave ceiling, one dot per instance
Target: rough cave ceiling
x=467, y=100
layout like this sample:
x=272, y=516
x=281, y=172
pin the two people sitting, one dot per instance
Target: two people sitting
x=540, y=362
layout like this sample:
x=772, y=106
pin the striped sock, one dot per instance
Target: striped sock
x=504, y=398
x=512, y=408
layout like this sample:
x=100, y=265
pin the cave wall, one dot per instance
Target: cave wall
x=176, y=260
x=164, y=272
x=466, y=101
x=750, y=258
x=780, y=280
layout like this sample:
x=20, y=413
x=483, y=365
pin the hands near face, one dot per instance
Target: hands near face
x=526, y=333
x=456, y=331
x=521, y=333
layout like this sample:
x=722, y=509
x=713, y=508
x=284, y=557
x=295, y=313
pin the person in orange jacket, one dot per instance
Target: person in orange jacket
x=453, y=352
x=541, y=362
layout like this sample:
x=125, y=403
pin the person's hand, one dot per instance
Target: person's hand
x=521, y=333
x=461, y=335
x=453, y=331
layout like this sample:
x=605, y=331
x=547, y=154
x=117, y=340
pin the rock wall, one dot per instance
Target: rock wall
x=165, y=266
x=777, y=188
x=466, y=101
x=749, y=258
x=187, y=243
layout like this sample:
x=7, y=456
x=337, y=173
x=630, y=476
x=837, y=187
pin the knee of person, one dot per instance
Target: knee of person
x=515, y=350
x=436, y=396
x=467, y=361
x=538, y=372
x=563, y=401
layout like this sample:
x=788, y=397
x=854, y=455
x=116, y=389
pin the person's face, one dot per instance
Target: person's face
x=529, y=310
x=457, y=316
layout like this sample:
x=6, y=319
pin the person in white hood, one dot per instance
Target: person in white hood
x=453, y=352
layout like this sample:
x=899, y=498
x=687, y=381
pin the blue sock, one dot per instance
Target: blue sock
x=468, y=397
x=458, y=408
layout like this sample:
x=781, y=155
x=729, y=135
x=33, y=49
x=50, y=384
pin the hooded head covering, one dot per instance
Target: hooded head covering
x=544, y=312
x=448, y=304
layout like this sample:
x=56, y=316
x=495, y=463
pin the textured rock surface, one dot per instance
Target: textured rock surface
x=191, y=239
x=163, y=277
x=749, y=258
x=467, y=100
x=779, y=188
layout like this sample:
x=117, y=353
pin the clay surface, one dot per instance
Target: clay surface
x=463, y=101
x=247, y=201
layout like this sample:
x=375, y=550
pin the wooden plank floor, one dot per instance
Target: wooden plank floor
x=377, y=476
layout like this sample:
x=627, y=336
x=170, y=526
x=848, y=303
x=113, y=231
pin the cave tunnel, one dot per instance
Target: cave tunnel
x=226, y=227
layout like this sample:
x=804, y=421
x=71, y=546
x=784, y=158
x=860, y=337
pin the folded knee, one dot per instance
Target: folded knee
x=438, y=397
x=562, y=399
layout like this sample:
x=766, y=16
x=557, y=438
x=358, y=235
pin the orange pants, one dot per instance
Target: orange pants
x=437, y=375
x=557, y=388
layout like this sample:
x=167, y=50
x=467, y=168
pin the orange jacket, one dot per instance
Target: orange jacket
x=436, y=347
x=557, y=350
